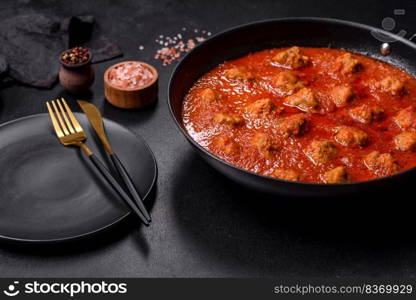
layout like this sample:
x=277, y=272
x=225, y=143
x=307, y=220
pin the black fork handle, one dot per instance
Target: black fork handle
x=130, y=185
x=116, y=186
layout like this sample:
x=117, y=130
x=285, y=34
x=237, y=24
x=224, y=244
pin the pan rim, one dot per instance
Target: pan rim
x=265, y=22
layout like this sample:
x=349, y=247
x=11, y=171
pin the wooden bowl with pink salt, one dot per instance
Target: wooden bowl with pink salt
x=131, y=84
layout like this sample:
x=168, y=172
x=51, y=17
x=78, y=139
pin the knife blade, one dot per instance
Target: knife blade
x=96, y=121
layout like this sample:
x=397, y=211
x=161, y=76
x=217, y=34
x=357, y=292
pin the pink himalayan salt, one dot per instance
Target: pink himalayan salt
x=173, y=47
x=130, y=75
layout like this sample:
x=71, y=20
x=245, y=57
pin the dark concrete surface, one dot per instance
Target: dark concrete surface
x=203, y=224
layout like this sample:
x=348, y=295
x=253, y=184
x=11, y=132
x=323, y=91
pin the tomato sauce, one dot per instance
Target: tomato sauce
x=226, y=113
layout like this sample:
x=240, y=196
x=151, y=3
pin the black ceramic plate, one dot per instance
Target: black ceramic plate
x=51, y=193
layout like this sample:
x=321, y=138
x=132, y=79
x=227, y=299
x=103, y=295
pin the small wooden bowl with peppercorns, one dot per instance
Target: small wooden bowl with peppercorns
x=131, y=84
x=76, y=73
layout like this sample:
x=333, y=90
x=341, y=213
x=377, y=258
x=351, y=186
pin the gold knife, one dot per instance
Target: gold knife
x=96, y=121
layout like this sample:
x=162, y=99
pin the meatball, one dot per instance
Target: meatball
x=391, y=85
x=347, y=64
x=304, y=100
x=287, y=83
x=261, y=107
x=238, y=73
x=293, y=125
x=286, y=174
x=228, y=119
x=342, y=95
x=406, y=118
x=381, y=164
x=337, y=175
x=367, y=114
x=227, y=145
x=351, y=136
x=405, y=141
x=291, y=58
x=209, y=95
x=321, y=151
x=264, y=143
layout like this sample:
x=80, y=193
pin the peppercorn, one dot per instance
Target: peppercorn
x=75, y=56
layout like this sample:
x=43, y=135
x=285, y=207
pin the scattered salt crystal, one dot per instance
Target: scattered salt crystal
x=190, y=42
x=174, y=45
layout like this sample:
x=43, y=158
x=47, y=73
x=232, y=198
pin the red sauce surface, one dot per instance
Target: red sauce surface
x=236, y=143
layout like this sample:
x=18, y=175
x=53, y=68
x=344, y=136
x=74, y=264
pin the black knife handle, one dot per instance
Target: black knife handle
x=130, y=185
x=114, y=184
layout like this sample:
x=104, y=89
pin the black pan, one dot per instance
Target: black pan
x=310, y=32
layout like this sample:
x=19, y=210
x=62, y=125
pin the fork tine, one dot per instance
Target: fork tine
x=64, y=113
x=74, y=121
x=61, y=122
x=55, y=124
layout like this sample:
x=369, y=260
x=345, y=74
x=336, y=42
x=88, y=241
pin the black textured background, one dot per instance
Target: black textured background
x=203, y=224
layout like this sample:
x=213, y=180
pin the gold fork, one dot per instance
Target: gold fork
x=70, y=133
